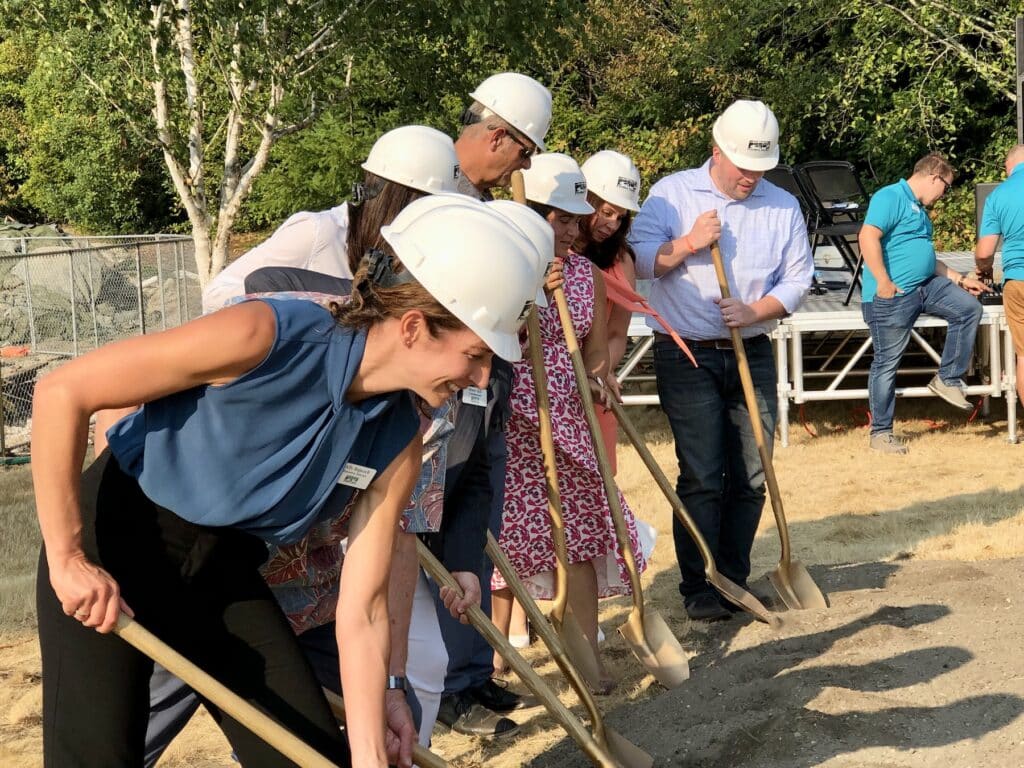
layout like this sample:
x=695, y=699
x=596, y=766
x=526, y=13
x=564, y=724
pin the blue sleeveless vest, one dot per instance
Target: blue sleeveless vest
x=264, y=453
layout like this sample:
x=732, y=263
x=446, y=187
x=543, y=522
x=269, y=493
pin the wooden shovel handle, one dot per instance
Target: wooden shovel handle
x=272, y=732
x=548, y=635
x=547, y=446
x=482, y=623
x=753, y=409
x=666, y=487
x=610, y=489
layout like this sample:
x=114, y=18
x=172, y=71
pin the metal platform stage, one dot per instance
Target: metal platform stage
x=822, y=353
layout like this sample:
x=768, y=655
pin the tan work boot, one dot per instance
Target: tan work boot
x=886, y=442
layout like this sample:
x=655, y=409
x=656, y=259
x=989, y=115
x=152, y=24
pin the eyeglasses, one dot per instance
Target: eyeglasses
x=525, y=150
x=945, y=184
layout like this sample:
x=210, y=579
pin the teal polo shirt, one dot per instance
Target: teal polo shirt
x=907, y=249
x=1004, y=215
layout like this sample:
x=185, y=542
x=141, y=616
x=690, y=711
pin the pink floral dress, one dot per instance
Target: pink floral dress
x=525, y=525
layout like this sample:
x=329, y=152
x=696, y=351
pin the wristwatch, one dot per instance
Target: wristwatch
x=396, y=683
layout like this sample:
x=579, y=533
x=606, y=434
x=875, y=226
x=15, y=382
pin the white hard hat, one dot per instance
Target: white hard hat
x=614, y=178
x=748, y=134
x=556, y=180
x=518, y=100
x=473, y=260
x=415, y=156
x=539, y=232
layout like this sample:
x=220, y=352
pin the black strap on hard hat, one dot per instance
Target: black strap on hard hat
x=380, y=269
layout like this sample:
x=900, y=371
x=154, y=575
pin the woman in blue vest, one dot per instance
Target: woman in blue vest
x=259, y=422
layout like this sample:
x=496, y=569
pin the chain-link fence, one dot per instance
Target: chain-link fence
x=63, y=296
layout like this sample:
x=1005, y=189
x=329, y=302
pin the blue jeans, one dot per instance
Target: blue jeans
x=470, y=658
x=721, y=478
x=891, y=321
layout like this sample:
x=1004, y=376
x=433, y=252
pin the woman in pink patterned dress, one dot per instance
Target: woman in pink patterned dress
x=556, y=188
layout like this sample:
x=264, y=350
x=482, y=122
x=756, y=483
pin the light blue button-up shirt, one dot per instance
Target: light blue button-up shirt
x=764, y=246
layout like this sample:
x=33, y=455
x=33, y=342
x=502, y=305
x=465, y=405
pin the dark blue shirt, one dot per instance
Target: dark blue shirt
x=264, y=453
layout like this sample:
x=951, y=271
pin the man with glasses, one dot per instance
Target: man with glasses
x=903, y=279
x=502, y=129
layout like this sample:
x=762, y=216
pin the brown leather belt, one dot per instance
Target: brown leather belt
x=711, y=343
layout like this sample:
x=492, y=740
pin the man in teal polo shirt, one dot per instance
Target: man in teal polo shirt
x=1004, y=216
x=903, y=279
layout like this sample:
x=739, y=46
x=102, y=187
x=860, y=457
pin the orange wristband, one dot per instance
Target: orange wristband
x=689, y=244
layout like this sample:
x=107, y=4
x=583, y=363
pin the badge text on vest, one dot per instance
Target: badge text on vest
x=475, y=396
x=355, y=476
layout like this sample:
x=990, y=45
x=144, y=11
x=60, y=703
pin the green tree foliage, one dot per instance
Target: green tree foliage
x=83, y=163
x=283, y=99
x=17, y=60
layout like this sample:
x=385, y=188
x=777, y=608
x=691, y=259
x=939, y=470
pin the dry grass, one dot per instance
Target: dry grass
x=19, y=549
x=957, y=495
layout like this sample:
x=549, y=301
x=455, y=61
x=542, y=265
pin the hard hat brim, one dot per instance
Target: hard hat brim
x=504, y=345
x=579, y=208
x=745, y=163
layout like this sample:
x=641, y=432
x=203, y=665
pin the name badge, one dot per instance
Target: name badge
x=475, y=396
x=355, y=476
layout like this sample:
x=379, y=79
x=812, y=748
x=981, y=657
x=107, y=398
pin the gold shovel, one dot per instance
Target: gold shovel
x=421, y=756
x=626, y=754
x=597, y=754
x=648, y=635
x=735, y=593
x=272, y=732
x=579, y=650
x=790, y=579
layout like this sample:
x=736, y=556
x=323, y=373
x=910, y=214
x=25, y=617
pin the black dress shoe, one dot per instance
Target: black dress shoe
x=461, y=714
x=705, y=606
x=497, y=697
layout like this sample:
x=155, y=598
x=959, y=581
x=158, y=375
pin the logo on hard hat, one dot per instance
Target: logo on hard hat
x=625, y=183
x=581, y=187
x=759, y=146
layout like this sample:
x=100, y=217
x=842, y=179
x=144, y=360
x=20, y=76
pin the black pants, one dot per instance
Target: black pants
x=199, y=590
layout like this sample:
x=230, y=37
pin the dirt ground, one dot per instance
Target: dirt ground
x=917, y=662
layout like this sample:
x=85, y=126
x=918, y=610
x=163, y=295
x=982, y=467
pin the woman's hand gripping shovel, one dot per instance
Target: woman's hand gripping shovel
x=626, y=754
x=272, y=732
x=790, y=579
x=648, y=635
x=597, y=754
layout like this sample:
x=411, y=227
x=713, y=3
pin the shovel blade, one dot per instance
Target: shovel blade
x=796, y=587
x=624, y=752
x=657, y=648
x=741, y=598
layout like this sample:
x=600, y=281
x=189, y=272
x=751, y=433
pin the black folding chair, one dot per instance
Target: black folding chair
x=839, y=203
x=785, y=177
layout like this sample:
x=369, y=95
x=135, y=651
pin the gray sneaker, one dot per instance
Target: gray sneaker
x=951, y=393
x=886, y=442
